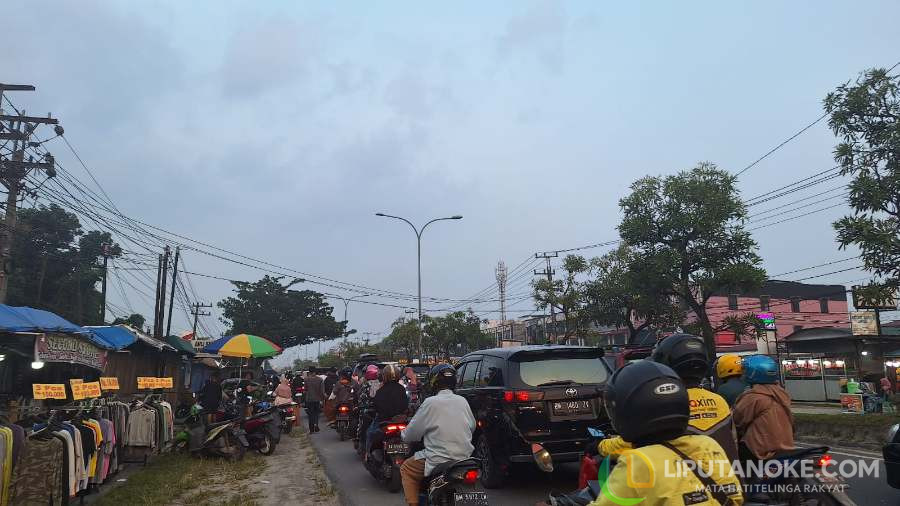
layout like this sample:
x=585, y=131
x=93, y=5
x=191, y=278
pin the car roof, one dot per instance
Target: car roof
x=512, y=350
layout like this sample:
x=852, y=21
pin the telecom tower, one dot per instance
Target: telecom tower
x=500, y=273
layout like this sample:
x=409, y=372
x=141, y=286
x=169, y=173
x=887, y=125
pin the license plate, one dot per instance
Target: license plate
x=394, y=448
x=470, y=498
x=343, y=417
x=572, y=408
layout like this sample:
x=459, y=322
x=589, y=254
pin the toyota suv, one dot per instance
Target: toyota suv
x=532, y=395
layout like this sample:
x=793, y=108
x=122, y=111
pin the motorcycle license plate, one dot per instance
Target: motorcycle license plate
x=343, y=417
x=395, y=448
x=470, y=498
x=563, y=408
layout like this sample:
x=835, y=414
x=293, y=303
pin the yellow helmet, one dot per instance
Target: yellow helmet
x=729, y=365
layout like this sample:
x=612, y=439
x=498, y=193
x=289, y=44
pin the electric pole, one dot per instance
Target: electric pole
x=501, y=275
x=172, y=298
x=14, y=169
x=104, y=250
x=159, y=275
x=197, y=314
x=548, y=271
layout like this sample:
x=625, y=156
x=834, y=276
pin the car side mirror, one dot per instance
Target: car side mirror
x=891, y=453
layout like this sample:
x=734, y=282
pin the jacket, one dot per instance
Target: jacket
x=444, y=423
x=315, y=389
x=341, y=393
x=390, y=401
x=764, y=420
x=657, y=475
x=731, y=389
x=710, y=416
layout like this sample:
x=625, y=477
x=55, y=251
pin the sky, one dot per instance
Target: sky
x=277, y=129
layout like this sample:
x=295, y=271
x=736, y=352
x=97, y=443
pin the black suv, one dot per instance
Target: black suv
x=548, y=395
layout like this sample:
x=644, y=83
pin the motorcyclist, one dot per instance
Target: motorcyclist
x=341, y=393
x=647, y=403
x=730, y=372
x=762, y=414
x=389, y=401
x=367, y=392
x=710, y=415
x=444, y=423
x=411, y=382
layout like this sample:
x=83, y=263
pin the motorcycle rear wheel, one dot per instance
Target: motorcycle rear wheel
x=267, y=446
x=287, y=426
x=395, y=483
x=233, y=450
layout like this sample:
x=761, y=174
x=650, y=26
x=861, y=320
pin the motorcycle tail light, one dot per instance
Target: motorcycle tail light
x=470, y=477
x=824, y=460
x=390, y=429
x=343, y=409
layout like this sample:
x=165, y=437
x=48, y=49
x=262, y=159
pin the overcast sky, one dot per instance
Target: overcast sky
x=277, y=129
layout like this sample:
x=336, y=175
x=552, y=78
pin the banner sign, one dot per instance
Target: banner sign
x=85, y=390
x=852, y=403
x=73, y=350
x=107, y=383
x=767, y=320
x=49, y=391
x=147, y=382
x=864, y=323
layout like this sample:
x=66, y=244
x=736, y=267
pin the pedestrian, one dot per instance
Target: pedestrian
x=315, y=396
x=210, y=396
x=886, y=388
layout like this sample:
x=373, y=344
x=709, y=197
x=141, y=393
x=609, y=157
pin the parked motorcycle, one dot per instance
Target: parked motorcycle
x=263, y=428
x=342, y=420
x=384, y=462
x=218, y=439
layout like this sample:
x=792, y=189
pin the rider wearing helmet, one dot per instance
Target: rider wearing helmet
x=389, y=401
x=341, y=393
x=710, y=414
x=444, y=423
x=648, y=404
x=763, y=413
x=368, y=389
x=730, y=372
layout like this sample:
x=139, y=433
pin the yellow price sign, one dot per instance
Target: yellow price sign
x=49, y=390
x=91, y=390
x=165, y=382
x=144, y=382
x=109, y=383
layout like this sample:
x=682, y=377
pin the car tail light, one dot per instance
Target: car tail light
x=470, y=477
x=824, y=460
x=522, y=396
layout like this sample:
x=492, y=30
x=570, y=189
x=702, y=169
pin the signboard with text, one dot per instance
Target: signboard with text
x=852, y=403
x=107, y=383
x=864, y=323
x=148, y=382
x=48, y=390
x=73, y=350
x=767, y=320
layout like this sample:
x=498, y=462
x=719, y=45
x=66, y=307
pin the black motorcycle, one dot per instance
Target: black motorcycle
x=343, y=415
x=384, y=460
x=454, y=484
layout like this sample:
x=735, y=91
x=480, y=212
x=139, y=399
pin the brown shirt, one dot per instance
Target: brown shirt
x=764, y=421
x=315, y=389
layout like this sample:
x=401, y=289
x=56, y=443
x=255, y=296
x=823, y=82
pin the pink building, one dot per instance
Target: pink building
x=795, y=306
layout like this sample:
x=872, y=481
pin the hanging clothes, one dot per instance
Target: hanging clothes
x=39, y=474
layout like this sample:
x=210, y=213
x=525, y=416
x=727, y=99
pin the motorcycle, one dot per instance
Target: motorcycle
x=453, y=484
x=286, y=413
x=262, y=428
x=342, y=420
x=384, y=463
x=217, y=439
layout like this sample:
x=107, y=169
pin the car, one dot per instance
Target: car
x=421, y=370
x=525, y=395
x=364, y=361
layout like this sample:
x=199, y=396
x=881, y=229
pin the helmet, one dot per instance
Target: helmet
x=390, y=373
x=346, y=373
x=646, y=399
x=685, y=354
x=760, y=369
x=372, y=372
x=728, y=366
x=442, y=376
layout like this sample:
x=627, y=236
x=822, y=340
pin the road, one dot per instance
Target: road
x=528, y=486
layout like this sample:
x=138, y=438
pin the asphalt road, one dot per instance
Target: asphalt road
x=864, y=491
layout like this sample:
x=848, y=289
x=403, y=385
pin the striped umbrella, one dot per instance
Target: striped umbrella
x=244, y=346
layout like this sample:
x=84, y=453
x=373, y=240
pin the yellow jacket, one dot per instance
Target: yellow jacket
x=656, y=475
x=710, y=416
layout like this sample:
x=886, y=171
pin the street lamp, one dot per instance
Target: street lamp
x=347, y=302
x=418, y=233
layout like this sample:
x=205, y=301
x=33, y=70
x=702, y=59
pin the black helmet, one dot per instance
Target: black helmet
x=647, y=401
x=442, y=376
x=685, y=354
x=346, y=373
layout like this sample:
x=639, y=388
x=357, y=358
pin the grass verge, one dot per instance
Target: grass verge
x=863, y=430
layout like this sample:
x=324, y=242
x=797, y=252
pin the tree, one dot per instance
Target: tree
x=287, y=317
x=866, y=117
x=404, y=338
x=622, y=297
x=135, y=320
x=687, y=231
x=455, y=333
x=565, y=295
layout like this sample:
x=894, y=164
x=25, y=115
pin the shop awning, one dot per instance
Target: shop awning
x=149, y=341
x=821, y=340
x=27, y=319
x=183, y=346
x=114, y=336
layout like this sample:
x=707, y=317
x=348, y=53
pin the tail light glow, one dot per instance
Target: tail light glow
x=394, y=428
x=470, y=477
x=824, y=460
x=522, y=396
x=344, y=409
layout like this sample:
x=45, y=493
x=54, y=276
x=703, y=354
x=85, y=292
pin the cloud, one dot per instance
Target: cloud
x=538, y=33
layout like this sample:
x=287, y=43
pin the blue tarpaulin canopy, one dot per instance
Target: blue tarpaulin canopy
x=28, y=319
x=115, y=337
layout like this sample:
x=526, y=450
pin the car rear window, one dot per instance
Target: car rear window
x=537, y=371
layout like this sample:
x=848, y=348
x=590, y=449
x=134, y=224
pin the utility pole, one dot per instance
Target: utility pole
x=197, y=314
x=172, y=298
x=501, y=276
x=14, y=169
x=104, y=250
x=159, y=275
x=548, y=271
x=164, y=275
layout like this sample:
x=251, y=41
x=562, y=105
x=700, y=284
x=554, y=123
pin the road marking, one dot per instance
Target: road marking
x=858, y=455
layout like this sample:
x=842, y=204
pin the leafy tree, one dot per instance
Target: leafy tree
x=135, y=320
x=565, y=295
x=303, y=365
x=56, y=265
x=865, y=116
x=687, y=231
x=453, y=334
x=287, y=317
x=622, y=297
x=404, y=338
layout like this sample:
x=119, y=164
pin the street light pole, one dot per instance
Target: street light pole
x=418, y=233
x=347, y=302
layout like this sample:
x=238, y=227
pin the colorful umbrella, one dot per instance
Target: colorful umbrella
x=244, y=346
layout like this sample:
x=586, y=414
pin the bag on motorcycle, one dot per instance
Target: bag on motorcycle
x=590, y=468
